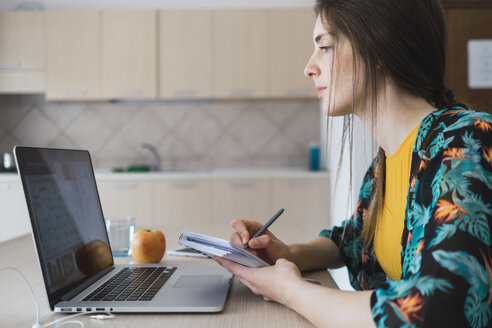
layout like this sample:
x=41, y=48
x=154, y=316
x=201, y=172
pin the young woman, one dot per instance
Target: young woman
x=418, y=247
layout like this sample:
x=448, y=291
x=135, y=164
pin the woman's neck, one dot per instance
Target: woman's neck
x=398, y=113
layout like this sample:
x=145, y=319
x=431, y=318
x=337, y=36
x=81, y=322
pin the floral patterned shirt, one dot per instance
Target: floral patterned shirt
x=446, y=248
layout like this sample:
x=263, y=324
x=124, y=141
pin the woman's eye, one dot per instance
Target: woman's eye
x=325, y=49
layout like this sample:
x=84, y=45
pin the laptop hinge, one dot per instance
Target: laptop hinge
x=85, y=284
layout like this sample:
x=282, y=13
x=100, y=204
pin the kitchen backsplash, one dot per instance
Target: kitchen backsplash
x=188, y=135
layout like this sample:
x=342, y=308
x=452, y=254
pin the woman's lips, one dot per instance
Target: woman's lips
x=320, y=91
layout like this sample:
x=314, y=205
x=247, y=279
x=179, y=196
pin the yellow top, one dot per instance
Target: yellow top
x=387, y=241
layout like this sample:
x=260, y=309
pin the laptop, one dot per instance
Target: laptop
x=75, y=256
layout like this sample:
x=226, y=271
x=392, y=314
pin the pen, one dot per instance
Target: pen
x=266, y=226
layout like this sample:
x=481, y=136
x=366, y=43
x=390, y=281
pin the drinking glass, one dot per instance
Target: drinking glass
x=120, y=232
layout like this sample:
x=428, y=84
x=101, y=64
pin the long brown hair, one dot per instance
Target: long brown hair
x=402, y=40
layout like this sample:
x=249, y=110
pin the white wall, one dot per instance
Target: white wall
x=190, y=4
x=342, y=199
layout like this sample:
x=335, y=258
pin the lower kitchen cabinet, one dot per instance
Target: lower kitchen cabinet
x=183, y=203
x=305, y=202
x=194, y=203
x=14, y=217
x=128, y=198
x=241, y=198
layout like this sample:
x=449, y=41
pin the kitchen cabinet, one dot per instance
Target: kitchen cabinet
x=183, y=203
x=466, y=20
x=305, y=202
x=185, y=54
x=240, y=53
x=22, y=52
x=289, y=49
x=73, y=55
x=129, y=67
x=241, y=198
x=14, y=218
x=144, y=54
x=128, y=198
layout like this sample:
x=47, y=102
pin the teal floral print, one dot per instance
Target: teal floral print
x=446, y=247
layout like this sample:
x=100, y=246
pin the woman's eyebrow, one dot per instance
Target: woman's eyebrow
x=320, y=36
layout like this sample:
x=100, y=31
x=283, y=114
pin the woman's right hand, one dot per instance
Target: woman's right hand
x=267, y=247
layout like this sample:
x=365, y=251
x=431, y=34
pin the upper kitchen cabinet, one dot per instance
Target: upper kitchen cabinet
x=185, y=54
x=290, y=48
x=22, y=50
x=240, y=53
x=129, y=67
x=73, y=55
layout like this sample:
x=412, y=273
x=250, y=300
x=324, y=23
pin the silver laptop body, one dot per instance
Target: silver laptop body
x=73, y=248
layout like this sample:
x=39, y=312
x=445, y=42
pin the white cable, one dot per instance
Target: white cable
x=30, y=288
x=109, y=316
x=72, y=321
x=38, y=325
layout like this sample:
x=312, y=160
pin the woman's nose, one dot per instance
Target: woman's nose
x=311, y=70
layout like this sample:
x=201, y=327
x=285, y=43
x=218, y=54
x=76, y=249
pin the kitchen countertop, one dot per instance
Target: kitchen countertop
x=103, y=174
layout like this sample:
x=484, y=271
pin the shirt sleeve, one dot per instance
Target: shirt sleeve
x=447, y=265
x=364, y=270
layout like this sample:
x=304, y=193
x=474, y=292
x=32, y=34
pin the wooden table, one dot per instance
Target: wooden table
x=243, y=308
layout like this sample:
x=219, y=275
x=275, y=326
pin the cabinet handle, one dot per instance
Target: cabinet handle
x=183, y=185
x=125, y=185
x=4, y=186
x=242, y=184
x=14, y=64
x=74, y=93
x=300, y=184
x=241, y=92
x=130, y=93
x=186, y=93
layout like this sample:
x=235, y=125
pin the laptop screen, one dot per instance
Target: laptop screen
x=66, y=216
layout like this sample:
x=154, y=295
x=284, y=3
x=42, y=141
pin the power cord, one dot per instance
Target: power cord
x=105, y=315
x=36, y=325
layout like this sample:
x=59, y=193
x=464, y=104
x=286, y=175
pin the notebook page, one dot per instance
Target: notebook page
x=212, y=246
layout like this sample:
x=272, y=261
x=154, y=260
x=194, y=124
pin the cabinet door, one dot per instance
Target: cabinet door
x=471, y=22
x=21, y=40
x=73, y=55
x=128, y=198
x=22, y=48
x=290, y=48
x=242, y=199
x=240, y=63
x=183, y=203
x=129, y=54
x=14, y=218
x=305, y=202
x=185, y=54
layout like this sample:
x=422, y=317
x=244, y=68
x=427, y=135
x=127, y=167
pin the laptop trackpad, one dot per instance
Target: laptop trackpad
x=198, y=281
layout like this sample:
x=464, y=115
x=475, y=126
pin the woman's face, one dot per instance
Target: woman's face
x=333, y=78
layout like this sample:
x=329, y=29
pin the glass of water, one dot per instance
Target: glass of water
x=120, y=232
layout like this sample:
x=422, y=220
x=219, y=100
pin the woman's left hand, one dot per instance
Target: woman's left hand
x=272, y=282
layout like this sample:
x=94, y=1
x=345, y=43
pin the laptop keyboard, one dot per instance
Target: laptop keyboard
x=132, y=284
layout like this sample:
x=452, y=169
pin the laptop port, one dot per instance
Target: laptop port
x=66, y=309
x=88, y=309
x=79, y=309
x=99, y=309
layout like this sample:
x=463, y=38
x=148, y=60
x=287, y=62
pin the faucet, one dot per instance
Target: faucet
x=157, y=158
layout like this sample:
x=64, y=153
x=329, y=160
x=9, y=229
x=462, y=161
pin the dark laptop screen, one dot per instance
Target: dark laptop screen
x=66, y=215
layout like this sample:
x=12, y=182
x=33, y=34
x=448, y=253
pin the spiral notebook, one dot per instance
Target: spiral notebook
x=212, y=246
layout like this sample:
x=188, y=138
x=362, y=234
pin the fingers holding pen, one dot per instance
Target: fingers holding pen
x=242, y=233
x=260, y=242
x=245, y=229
